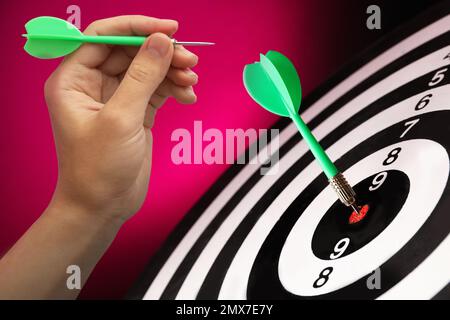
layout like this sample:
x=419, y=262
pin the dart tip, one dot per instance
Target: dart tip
x=199, y=44
x=355, y=207
x=192, y=43
x=358, y=215
x=24, y=35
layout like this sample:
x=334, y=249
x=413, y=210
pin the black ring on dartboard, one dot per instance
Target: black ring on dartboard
x=183, y=227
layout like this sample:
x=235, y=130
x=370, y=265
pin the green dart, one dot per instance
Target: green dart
x=275, y=85
x=50, y=37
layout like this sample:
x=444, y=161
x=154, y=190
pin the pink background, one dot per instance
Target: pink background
x=314, y=35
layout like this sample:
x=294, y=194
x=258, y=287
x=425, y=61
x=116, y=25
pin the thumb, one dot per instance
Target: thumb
x=147, y=70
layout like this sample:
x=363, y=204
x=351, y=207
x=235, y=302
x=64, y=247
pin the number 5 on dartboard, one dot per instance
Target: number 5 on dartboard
x=438, y=77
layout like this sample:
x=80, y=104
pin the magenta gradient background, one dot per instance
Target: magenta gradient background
x=312, y=33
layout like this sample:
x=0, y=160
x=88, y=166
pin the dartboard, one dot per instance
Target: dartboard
x=385, y=121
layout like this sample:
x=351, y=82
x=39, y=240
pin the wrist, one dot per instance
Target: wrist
x=81, y=214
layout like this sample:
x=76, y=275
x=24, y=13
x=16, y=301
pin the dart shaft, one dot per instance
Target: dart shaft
x=343, y=189
x=136, y=41
x=325, y=162
x=116, y=40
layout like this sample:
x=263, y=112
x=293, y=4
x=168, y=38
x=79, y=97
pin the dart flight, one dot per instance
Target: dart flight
x=275, y=85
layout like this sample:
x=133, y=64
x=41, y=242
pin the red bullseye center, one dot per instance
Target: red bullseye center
x=356, y=217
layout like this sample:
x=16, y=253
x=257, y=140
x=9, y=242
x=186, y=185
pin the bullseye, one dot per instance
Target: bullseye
x=356, y=217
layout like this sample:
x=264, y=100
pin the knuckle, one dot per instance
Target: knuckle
x=94, y=24
x=142, y=17
x=50, y=87
x=93, y=27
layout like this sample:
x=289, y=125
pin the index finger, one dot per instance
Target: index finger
x=93, y=55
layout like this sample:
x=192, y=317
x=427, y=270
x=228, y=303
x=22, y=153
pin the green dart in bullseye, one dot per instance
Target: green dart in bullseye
x=50, y=37
x=275, y=85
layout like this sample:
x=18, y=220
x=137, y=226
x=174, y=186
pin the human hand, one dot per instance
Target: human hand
x=102, y=102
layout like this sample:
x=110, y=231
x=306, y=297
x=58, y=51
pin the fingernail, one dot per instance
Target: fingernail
x=189, y=53
x=175, y=22
x=189, y=90
x=191, y=73
x=158, y=44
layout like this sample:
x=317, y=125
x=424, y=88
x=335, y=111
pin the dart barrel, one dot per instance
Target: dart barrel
x=343, y=189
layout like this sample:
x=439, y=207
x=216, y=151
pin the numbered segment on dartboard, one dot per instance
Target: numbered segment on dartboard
x=283, y=235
